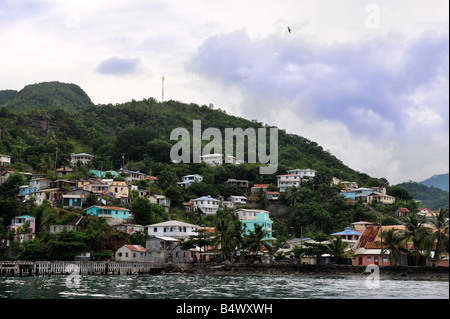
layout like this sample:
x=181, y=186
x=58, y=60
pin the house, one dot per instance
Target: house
x=188, y=180
x=5, y=159
x=64, y=170
x=402, y=212
x=118, y=189
x=130, y=253
x=96, y=187
x=272, y=195
x=242, y=183
x=152, y=180
x=130, y=228
x=50, y=194
x=160, y=200
x=237, y=200
x=348, y=193
x=212, y=159
x=360, y=226
x=251, y=217
x=40, y=183
x=362, y=193
x=75, y=198
x=348, y=185
x=207, y=204
x=165, y=249
x=348, y=236
x=172, y=228
x=83, y=158
x=380, y=198
x=258, y=187
x=131, y=176
x=368, y=249
x=288, y=180
x=54, y=229
x=103, y=174
x=18, y=224
x=303, y=173
x=109, y=212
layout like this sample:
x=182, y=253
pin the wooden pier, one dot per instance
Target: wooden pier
x=29, y=268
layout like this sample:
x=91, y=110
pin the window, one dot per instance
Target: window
x=385, y=259
x=369, y=259
x=126, y=255
x=155, y=229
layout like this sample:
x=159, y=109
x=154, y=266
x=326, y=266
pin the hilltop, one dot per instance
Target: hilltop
x=430, y=197
x=440, y=181
x=52, y=95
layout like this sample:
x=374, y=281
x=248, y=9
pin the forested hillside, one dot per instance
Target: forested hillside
x=51, y=95
x=138, y=130
x=431, y=197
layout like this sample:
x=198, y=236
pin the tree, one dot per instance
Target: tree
x=142, y=212
x=415, y=232
x=440, y=236
x=254, y=241
x=393, y=241
x=337, y=248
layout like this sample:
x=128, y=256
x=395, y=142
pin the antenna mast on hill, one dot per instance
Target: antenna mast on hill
x=162, y=99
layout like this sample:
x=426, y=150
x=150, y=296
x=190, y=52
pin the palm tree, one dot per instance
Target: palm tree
x=254, y=241
x=440, y=235
x=415, y=232
x=393, y=242
x=337, y=248
x=222, y=239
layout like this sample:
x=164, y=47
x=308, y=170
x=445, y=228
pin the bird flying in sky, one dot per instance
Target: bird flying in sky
x=289, y=29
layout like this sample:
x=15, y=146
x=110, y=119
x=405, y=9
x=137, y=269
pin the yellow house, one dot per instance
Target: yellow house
x=118, y=189
x=380, y=198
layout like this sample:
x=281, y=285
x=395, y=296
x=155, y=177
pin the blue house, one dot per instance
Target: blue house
x=108, y=212
x=348, y=194
x=252, y=217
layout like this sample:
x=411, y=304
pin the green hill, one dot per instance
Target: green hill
x=50, y=95
x=7, y=95
x=440, y=181
x=140, y=132
x=431, y=197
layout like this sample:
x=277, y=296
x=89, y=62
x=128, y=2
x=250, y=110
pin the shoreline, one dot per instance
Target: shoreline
x=330, y=270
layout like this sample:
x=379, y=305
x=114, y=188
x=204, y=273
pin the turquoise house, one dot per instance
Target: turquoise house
x=108, y=212
x=251, y=217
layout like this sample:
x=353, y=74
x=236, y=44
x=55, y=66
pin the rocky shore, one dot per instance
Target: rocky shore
x=330, y=270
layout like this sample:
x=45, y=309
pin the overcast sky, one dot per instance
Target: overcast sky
x=366, y=80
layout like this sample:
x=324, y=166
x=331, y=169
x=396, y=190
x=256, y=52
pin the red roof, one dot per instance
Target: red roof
x=136, y=248
x=261, y=185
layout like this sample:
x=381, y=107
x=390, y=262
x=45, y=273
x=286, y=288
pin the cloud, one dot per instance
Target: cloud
x=383, y=94
x=118, y=66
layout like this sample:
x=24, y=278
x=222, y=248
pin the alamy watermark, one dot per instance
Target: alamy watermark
x=74, y=279
x=373, y=280
x=257, y=152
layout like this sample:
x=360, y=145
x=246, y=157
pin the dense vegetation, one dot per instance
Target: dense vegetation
x=48, y=95
x=431, y=197
x=136, y=134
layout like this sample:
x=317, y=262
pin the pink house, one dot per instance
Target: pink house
x=17, y=224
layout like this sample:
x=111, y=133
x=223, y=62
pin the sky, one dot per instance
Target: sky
x=366, y=80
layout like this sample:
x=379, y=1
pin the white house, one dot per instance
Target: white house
x=161, y=200
x=207, y=204
x=303, y=173
x=83, y=158
x=172, y=228
x=288, y=180
x=212, y=159
x=188, y=180
x=238, y=200
x=5, y=159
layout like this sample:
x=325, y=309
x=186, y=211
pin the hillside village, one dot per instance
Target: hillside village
x=197, y=232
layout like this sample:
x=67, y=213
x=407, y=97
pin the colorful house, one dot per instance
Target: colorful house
x=18, y=223
x=252, y=217
x=108, y=212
